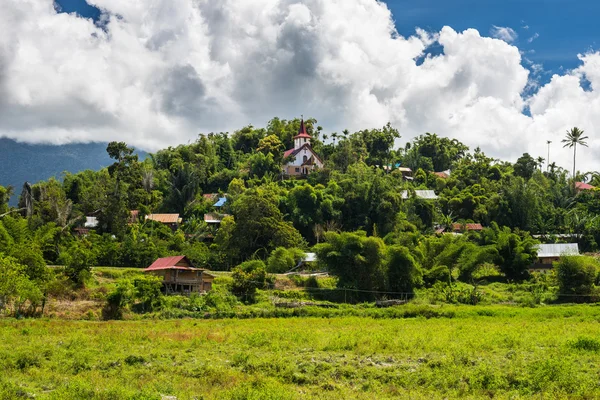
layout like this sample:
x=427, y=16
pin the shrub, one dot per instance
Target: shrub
x=248, y=277
x=576, y=276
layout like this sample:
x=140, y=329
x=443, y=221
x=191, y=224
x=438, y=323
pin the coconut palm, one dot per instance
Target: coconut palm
x=573, y=138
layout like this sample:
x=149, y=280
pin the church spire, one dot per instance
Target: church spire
x=302, y=137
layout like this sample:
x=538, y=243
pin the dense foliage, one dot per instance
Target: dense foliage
x=360, y=211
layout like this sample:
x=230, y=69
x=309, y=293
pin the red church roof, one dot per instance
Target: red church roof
x=302, y=131
x=171, y=263
x=288, y=153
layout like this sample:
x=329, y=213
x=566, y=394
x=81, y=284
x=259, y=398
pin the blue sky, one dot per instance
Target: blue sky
x=550, y=32
x=565, y=27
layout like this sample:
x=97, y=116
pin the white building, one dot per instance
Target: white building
x=304, y=159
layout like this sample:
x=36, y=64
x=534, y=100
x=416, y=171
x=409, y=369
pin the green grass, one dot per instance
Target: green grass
x=481, y=352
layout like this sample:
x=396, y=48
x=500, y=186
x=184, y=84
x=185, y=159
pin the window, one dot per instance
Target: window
x=304, y=140
x=305, y=158
x=297, y=169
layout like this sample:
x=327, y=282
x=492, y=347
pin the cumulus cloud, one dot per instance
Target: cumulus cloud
x=158, y=72
x=504, y=33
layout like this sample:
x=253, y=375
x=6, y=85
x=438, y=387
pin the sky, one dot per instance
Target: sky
x=503, y=75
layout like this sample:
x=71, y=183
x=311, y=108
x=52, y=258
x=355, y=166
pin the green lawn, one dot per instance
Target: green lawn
x=483, y=352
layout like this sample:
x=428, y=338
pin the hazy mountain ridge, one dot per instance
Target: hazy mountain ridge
x=23, y=162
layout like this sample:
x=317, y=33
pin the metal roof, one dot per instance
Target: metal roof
x=91, y=222
x=221, y=202
x=557, y=249
x=422, y=194
x=171, y=263
x=310, y=257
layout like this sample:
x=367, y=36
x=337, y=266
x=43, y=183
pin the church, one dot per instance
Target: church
x=303, y=158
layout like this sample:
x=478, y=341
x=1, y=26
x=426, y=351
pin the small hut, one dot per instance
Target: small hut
x=180, y=276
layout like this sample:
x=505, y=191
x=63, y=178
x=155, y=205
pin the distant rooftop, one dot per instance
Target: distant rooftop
x=421, y=194
x=557, y=249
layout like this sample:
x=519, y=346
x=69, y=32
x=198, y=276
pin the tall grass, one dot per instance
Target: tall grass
x=481, y=352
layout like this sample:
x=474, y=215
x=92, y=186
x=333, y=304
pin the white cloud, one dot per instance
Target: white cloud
x=535, y=36
x=165, y=70
x=504, y=33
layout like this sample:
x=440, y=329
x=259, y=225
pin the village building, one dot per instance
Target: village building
x=407, y=173
x=171, y=220
x=581, y=186
x=302, y=158
x=549, y=253
x=420, y=194
x=180, y=276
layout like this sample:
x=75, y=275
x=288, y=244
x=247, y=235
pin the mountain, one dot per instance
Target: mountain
x=22, y=162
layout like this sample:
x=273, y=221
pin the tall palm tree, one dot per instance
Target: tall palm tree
x=540, y=162
x=573, y=138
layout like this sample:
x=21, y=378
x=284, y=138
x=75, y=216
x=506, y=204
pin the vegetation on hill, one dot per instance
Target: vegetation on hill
x=359, y=213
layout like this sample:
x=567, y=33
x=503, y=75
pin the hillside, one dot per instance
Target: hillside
x=23, y=162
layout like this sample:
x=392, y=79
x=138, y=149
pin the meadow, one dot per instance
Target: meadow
x=502, y=352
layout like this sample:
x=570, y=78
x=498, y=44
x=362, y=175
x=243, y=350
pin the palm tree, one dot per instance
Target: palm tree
x=540, y=162
x=573, y=138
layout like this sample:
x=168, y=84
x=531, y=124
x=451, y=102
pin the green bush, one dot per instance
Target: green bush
x=576, y=276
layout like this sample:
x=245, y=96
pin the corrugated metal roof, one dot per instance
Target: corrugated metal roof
x=164, y=218
x=310, y=257
x=170, y=263
x=91, y=222
x=557, y=249
x=214, y=218
x=422, y=194
x=221, y=202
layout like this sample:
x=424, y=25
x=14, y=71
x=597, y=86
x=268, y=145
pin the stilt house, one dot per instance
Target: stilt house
x=180, y=276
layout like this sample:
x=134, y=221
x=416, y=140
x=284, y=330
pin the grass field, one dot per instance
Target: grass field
x=481, y=352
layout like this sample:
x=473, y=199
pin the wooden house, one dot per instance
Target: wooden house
x=550, y=253
x=171, y=220
x=180, y=276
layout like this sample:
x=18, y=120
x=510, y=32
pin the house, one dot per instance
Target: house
x=407, y=173
x=180, y=276
x=134, y=216
x=214, y=218
x=307, y=261
x=303, y=158
x=550, y=253
x=443, y=174
x=172, y=220
x=457, y=227
x=581, y=186
x=91, y=222
x=420, y=194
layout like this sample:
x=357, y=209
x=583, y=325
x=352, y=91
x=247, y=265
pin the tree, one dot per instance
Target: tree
x=403, y=273
x=525, y=166
x=79, y=259
x=247, y=278
x=259, y=225
x=357, y=260
x=576, y=276
x=282, y=260
x=573, y=138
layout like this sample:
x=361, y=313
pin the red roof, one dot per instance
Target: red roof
x=468, y=227
x=170, y=263
x=583, y=186
x=288, y=153
x=442, y=175
x=302, y=131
